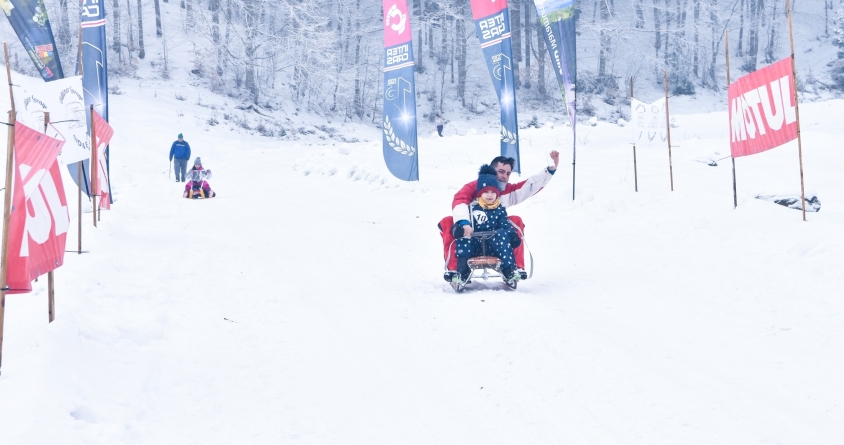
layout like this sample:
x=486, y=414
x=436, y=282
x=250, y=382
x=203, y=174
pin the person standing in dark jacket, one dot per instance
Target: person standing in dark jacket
x=180, y=155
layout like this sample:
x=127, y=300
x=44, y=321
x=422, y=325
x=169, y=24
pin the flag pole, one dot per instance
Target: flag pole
x=7, y=204
x=668, y=128
x=635, y=171
x=573, y=157
x=51, y=300
x=79, y=171
x=797, y=110
x=727, y=52
x=94, y=165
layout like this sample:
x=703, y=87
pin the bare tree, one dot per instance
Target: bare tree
x=141, y=51
x=158, y=32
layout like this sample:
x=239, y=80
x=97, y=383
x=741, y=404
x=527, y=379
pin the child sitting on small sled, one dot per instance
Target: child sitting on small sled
x=487, y=215
x=197, y=186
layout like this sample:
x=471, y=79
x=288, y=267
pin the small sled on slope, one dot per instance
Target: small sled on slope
x=197, y=187
x=484, y=267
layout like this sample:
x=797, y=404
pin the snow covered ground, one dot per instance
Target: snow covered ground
x=305, y=304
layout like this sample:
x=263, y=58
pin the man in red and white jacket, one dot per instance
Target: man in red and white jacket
x=511, y=195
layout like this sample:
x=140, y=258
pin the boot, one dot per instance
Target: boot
x=463, y=271
x=511, y=275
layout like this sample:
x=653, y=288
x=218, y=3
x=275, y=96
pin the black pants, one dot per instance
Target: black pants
x=440, y=130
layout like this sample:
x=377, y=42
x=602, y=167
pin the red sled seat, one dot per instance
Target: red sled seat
x=449, y=246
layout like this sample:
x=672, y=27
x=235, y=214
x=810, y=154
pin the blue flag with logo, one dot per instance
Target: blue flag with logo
x=558, y=21
x=557, y=18
x=94, y=66
x=492, y=25
x=399, y=141
x=29, y=20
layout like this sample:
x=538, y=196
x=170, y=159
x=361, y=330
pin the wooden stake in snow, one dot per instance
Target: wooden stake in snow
x=668, y=129
x=7, y=204
x=727, y=52
x=51, y=301
x=797, y=110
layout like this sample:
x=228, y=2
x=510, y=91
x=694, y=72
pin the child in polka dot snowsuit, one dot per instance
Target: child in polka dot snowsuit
x=488, y=215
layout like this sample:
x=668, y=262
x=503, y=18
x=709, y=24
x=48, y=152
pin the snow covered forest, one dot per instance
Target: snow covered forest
x=325, y=56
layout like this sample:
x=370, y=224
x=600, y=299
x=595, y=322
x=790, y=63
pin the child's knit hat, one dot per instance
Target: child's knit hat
x=487, y=180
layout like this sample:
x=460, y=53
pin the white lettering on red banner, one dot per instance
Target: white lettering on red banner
x=39, y=221
x=762, y=110
x=492, y=27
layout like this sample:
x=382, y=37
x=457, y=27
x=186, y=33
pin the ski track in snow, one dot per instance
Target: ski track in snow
x=305, y=304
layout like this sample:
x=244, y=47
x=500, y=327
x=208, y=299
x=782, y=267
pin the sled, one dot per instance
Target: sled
x=196, y=178
x=484, y=266
x=200, y=194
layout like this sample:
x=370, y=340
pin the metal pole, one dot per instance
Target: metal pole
x=573, y=157
x=727, y=52
x=94, y=189
x=80, y=171
x=668, y=128
x=797, y=110
x=635, y=171
x=79, y=210
x=7, y=204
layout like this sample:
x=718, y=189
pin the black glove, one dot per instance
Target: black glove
x=515, y=241
x=457, y=231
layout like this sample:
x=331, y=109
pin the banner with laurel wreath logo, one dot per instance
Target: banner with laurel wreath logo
x=399, y=124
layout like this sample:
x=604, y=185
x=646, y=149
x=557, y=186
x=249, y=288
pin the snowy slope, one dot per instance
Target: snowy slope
x=305, y=304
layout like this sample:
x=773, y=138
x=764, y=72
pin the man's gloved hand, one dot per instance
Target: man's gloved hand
x=461, y=230
x=457, y=231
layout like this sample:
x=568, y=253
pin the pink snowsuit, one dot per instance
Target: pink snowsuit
x=198, y=184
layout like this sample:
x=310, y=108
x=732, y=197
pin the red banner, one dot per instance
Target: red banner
x=103, y=132
x=39, y=220
x=762, y=110
x=486, y=8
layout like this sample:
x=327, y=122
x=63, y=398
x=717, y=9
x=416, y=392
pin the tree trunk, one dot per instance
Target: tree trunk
x=228, y=14
x=739, y=50
x=717, y=34
x=604, y=40
x=669, y=47
x=141, y=52
x=358, y=99
x=251, y=23
x=756, y=8
x=215, y=35
x=115, y=33
x=528, y=28
x=516, y=36
x=157, y=18
x=695, y=61
x=460, y=31
x=64, y=24
x=657, y=25
x=640, y=15
x=420, y=59
x=188, y=6
x=540, y=60
x=769, y=50
x=130, y=33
